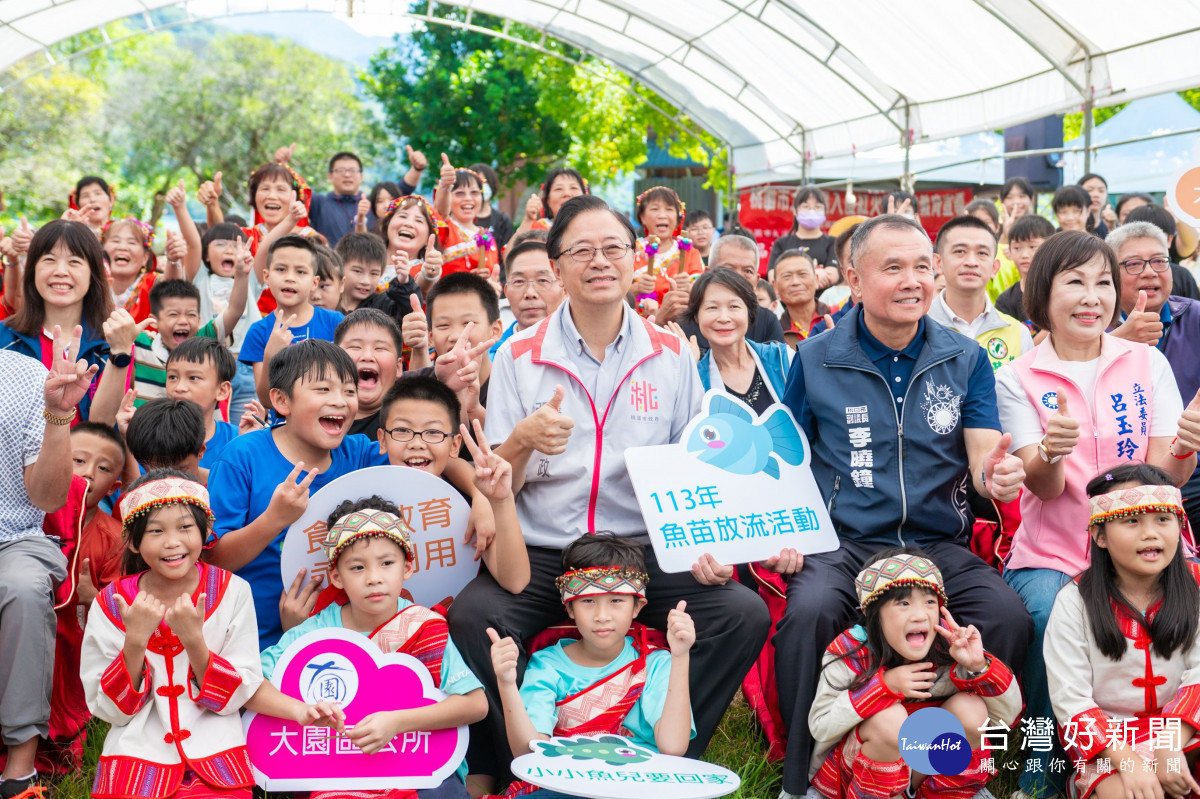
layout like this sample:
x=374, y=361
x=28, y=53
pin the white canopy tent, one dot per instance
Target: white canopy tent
x=781, y=82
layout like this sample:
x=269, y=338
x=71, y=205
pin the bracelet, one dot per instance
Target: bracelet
x=1174, y=454
x=59, y=420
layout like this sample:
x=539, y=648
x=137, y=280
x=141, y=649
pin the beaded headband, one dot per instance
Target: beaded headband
x=167, y=491
x=898, y=570
x=415, y=199
x=1136, y=500
x=367, y=523
x=678, y=199
x=482, y=180
x=601, y=580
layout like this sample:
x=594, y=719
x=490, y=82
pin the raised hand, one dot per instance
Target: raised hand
x=297, y=601
x=547, y=429
x=1141, y=325
x=493, y=474
x=68, y=380
x=22, y=236
x=210, y=191
x=364, y=207
x=1187, y=438
x=434, y=260
x=125, y=411
x=674, y=302
x=459, y=368
x=681, y=630
x=243, y=257
x=912, y=680
x=176, y=249
x=966, y=645
x=1062, y=432
x=446, y=176
x=708, y=571
x=504, y=658
x=533, y=208
x=297, y=212
x=645, y=283
x=120, y=330
x=290, y=498
x=284, y=154
x=142, y=617
x=416, y=158
x=414, y=328
x=281, y=336
x=187, y=620
x=1003, y=473
x=691, y=341
x=1109, y=218
x=177, y=198
x=253, y=418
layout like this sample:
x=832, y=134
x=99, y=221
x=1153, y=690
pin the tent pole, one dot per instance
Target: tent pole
x=906, y=179
x=804, y=162
x=1088, y=104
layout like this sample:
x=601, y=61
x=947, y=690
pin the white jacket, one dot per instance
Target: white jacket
x=650, y=390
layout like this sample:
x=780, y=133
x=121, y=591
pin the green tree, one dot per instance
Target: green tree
x=483, y=98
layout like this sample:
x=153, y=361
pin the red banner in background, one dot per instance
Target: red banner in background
x=766, y=211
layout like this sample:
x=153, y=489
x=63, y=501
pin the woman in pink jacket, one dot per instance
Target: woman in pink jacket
x=1080, y=402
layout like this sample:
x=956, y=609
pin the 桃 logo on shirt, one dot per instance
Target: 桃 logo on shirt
x=997, y=348
x=942, y=408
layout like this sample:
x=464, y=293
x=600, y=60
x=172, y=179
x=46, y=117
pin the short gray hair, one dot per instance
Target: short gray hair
x=858, y=242
x=730, y=240
x=1136, y=230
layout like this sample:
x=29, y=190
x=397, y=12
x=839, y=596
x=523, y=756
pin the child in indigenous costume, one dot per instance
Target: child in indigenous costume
x=661, y=252
x=465, y=246
x=129, y=245
x=875, y=674
x=280, y=198
x=411, y=228
x=170, y=654
x=1121, y=648
x=370, y=555
x=609, y=679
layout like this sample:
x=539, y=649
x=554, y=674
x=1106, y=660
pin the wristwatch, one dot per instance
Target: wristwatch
x=1046, y=453
x=120, y=360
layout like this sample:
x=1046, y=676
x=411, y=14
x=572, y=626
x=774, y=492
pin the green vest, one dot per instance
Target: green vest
x=1002, y=344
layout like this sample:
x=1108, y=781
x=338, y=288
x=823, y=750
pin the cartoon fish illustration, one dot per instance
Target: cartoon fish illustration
x=611, y=749
x=732, y=439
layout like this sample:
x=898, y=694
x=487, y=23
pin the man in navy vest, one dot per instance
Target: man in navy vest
x=901, y=416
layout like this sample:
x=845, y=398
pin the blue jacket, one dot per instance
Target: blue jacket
x=913, y=488
x=772, y=358
x=95, y=352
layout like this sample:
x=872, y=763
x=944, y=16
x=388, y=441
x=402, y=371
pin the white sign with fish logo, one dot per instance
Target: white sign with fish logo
x=737, y=486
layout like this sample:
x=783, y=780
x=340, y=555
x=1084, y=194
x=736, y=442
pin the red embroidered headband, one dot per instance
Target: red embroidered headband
x=898, y=570
x=167, y=491
x=601, y=580
x=367, y=523
x=1136, y=500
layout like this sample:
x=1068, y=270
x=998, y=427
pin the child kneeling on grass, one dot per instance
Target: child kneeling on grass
x=609, y=680
x=170, y=654
x=370, y=555
x=1122, y=651
x=893, y=664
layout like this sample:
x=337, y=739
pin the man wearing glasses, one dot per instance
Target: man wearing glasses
x=568, y=396
x=333, y=214
x=533, y=290
x=1153, y=314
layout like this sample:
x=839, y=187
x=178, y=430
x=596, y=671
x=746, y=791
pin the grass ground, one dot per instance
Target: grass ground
x=738, y=746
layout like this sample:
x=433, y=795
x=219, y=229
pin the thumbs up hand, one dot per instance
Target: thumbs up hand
x=1003, y=472
x=284, y=154
x=1141, y=325
x=1187, y=438
x=446, y=176
x=1062, y=432
x=547, y=429
x=177, y=198
x=416, y=158
x=414, y=328
x=1109, y=217
x=22, y=236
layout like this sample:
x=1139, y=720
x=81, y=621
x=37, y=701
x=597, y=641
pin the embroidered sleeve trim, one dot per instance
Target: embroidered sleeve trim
x=1185, y=706
x=993, y=682
x=874, y=697
x=1085, y=735
x=220, y=682
x=117, y=685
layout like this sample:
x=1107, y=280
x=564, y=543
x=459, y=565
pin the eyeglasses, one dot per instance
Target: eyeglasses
x=346, y=170
x=1135, y=266
x=403, y=434
x=584, y=254
x=540, y=284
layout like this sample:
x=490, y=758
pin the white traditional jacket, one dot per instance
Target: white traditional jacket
x=1087, y=688
x=172, y=724
x=836, y=711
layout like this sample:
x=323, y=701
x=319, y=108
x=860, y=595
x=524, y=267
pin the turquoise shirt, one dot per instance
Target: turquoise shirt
x=552, y=676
